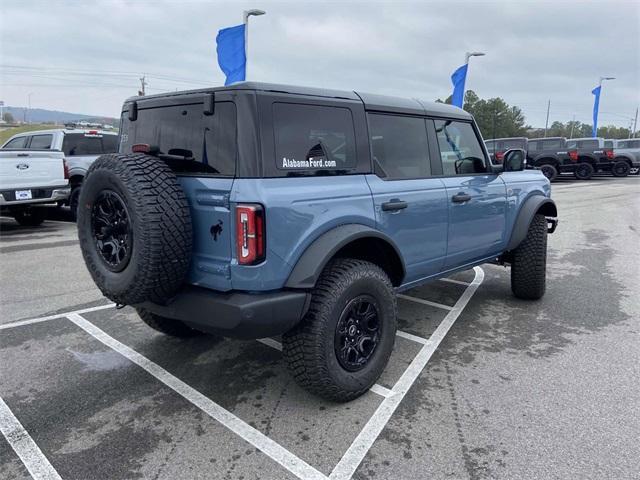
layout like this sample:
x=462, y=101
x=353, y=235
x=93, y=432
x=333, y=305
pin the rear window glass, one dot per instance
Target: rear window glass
x=188, y=140
x=491, y=146
x=311, y=137
x=608, y=144
x=41, y=142
x=75, y=144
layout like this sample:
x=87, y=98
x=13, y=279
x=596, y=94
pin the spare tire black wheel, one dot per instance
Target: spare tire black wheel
x=549, y=171
x=620, y=169
x=134, y=228
x=584, y=171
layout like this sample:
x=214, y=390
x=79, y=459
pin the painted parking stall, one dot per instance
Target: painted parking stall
x=297, y=435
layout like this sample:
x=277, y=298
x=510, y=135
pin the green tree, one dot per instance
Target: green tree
x=7, y=117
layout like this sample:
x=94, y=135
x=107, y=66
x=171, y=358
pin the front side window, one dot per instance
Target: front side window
x=628, y=143
x=313, y=138
x=19, y=142
x=41, y=142
x=399, y=146
x=460, y=149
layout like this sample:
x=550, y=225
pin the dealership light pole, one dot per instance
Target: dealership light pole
x=467, y=56
x=245, y=19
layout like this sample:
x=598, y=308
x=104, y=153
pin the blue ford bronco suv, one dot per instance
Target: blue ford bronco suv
x=257, y=210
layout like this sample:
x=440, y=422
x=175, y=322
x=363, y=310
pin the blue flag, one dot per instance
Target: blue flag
x=458, y=78
x=231, y=53
x=596, y=106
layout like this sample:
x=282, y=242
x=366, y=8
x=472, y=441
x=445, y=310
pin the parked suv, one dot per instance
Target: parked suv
x=628, y=150
x=257, y=210
x=80, y=146
x=498, y=146
x=594, y=151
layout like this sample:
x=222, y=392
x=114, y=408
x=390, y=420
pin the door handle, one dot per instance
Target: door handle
x=461, y=198
x=394, y=204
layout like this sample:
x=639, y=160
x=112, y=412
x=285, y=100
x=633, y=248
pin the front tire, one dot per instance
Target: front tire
x=584, y=171
x=620, y=169
x=168, y=326
x=344, y=342
x=529, y=265
x=550, y=172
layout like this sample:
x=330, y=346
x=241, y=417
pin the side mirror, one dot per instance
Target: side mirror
x=514, y=160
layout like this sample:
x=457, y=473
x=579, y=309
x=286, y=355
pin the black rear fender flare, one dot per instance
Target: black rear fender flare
x=310, y=265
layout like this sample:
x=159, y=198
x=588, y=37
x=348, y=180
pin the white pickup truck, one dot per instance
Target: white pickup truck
x=81, y=146
x=29, y=178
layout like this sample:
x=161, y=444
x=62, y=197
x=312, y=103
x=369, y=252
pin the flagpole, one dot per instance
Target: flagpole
x=245, y=20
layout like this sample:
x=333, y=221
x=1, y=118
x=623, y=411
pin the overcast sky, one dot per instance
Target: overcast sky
x=86, y=56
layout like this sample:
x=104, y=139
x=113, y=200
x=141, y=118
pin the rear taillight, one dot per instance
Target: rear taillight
x=573, y=155
x=250, y=234
x=66, y=169
x=609, y=154
x=499, y=157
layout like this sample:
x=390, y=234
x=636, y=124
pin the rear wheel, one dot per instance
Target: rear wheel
x=30, y=217
x=343, y=344
x=168, y=326
x=584, y=171
x=620, y=169
x=550, y=172
x=74, y=197
x=529, y=264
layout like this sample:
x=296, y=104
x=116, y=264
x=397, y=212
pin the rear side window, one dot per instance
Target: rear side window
x=628, y=144
x=41, y=142
x=75, y=144
x=551, y=144
x=312, y=137
x=587, y=144
x=460, y=149
x=491, y=146
x=507, y=144
x=19, y=142
x=188, y=140
x=399, y=146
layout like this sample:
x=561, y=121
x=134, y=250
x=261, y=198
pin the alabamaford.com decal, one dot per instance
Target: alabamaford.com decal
x=311, y=162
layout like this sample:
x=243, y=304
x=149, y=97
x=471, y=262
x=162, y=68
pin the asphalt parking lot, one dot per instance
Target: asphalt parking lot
x=480, y=384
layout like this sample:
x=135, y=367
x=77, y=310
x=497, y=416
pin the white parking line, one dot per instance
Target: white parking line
x=382, y=391
x=412, y=337
x=424, y=302
x=457, y=282
x=24, y=446
x=277, y=452
x=31, y=321
x=365, y=439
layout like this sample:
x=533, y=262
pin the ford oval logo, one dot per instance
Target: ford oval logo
x=22, y=166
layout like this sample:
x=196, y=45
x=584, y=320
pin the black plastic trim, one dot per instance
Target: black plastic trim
x=525, y=216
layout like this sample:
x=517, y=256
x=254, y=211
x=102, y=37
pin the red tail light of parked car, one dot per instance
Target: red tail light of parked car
x=250, y=234
x=573, y=155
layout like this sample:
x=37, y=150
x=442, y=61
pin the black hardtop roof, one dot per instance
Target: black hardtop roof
x=546, y=138
x=505, y=138
x=371, y=101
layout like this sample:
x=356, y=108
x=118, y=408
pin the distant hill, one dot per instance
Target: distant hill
x=40, y=115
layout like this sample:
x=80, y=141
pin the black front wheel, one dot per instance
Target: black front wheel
x=550, y=172
x=74, y=197
x=584, y=171
x=343, y=344
x=620, y=169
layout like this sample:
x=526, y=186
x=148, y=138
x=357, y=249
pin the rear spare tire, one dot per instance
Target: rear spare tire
x=134, y=228
x=30, y=216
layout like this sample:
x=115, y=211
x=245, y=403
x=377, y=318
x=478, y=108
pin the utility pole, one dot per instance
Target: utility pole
x=635, y=123
x=143, y=83
x=546, y=124
x=573, y=122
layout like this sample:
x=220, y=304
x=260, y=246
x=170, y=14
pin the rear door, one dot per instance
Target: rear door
x=410, y=204
x=476, y=198
x=202, y=150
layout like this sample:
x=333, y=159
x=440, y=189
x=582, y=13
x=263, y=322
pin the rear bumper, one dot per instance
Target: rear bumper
x=39, y=195
x=235, y=314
